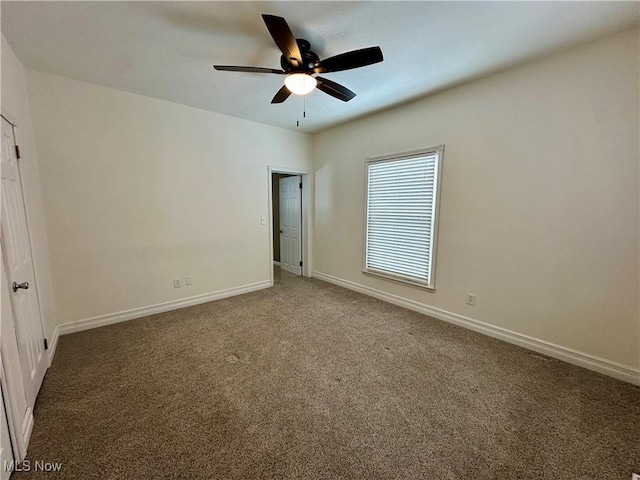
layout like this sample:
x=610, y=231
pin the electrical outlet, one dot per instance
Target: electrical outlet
x=177, y=283
x=471, y=299
x=187, y=280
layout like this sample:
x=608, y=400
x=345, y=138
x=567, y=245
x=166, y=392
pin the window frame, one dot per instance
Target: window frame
x=439, y=151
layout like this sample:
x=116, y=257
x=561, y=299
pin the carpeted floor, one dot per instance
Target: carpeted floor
x=309, y=380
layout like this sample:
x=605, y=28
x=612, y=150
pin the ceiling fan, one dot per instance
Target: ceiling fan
x=301, y=65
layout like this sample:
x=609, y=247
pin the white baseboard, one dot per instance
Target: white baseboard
x=53, y=344
x=109, y=319
x=585, y=360
x=277, y=264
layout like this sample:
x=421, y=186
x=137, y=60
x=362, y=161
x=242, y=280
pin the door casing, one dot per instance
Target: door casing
x=306, y=217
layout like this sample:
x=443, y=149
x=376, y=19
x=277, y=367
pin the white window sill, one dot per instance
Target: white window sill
x=399, y=279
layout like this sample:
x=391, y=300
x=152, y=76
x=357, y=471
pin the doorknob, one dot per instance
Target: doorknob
x=16, y=286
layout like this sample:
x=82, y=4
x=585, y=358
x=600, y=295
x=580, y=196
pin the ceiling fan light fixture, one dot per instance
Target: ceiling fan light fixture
x=300, y=83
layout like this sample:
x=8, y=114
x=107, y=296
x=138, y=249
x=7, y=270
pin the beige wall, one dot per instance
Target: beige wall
x=139, y=191
x=539, y=208
x=15, y=102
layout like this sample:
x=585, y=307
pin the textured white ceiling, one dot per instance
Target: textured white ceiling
x=166, y=49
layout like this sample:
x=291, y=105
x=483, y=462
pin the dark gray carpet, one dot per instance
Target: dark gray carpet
x=309, y=380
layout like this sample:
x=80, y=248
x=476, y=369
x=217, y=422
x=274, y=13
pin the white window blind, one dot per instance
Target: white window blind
x=401, y=216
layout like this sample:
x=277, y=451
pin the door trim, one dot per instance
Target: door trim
x=306, y=218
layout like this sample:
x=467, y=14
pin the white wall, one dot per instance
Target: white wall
x=15, y=102
x=539, y=209
x=138, y=191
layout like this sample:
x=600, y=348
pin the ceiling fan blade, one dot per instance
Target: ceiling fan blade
x=234, y=68
x=286, y=42
x=349, y=60
x=282, y=95
x=334, y=89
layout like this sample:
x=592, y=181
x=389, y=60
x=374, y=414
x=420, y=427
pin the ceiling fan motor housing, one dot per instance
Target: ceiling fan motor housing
x=309, y=58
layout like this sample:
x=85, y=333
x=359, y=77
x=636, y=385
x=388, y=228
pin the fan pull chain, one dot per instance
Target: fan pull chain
x=297, y=114
x=304, y=107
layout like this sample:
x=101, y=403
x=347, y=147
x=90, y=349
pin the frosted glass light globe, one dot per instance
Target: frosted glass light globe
x=300, y=83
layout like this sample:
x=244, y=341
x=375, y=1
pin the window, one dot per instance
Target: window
x=402, y=215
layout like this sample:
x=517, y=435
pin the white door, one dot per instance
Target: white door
x=6, y=453
x=19, y=270
x=290, y=224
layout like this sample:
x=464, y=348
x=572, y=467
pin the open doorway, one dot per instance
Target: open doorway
x=288, y=220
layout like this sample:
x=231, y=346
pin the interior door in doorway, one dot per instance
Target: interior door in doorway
x=290, y=224
x=18, y=266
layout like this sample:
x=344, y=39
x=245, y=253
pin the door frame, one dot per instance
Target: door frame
x=289, y=186
x=306, y=218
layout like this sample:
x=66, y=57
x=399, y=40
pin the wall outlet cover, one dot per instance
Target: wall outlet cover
x=471, y=299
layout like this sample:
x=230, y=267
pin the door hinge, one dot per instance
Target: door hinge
x=17, y=151
x=300, y=184
x=46, y=345
x=300, y=262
